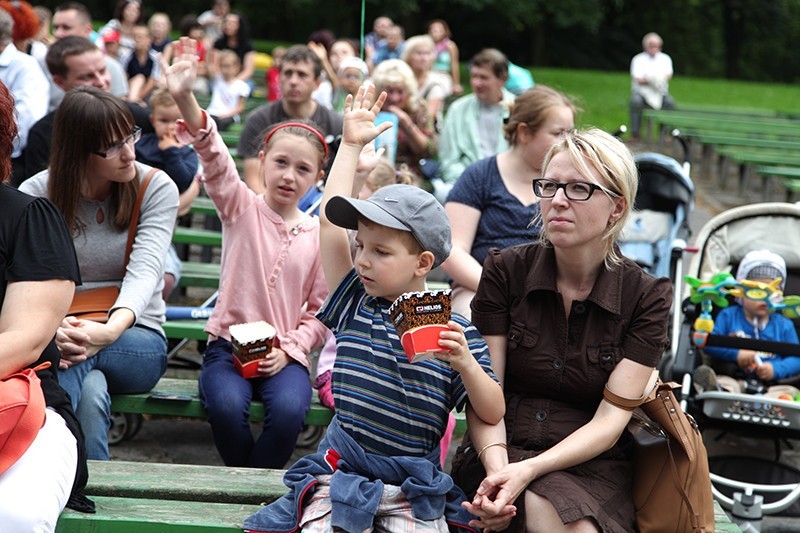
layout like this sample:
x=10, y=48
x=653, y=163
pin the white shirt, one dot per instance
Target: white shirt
x=26, y=81
x=657, y=70
x=225, y=95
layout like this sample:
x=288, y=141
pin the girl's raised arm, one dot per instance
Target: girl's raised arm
x=180, y=77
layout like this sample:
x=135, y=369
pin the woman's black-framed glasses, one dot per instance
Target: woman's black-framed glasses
x=578, y=191
x=116, y=149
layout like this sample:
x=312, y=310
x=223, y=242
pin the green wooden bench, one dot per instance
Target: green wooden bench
x=198, y=274
x=201, y=237
x=198, y=483
x=141, y=515
x=180, y=397
x=789, y=176
x=203, y=205
x=156, y=497
x=185, y=329
x=664, y=120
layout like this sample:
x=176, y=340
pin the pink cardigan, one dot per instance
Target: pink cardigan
x=269, y=271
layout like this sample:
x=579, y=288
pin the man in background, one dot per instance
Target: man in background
x=651, y=71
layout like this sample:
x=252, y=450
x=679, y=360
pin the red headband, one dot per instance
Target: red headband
x=298, y=125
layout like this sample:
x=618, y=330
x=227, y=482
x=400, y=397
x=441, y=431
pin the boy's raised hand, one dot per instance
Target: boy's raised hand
x=359, y=116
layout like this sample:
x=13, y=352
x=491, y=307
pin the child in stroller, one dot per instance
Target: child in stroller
x=745, y=472
x=745, y=370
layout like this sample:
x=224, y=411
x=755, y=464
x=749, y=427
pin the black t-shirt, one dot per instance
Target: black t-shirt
x=262, y=118
x=35, y=245
x=241, y=49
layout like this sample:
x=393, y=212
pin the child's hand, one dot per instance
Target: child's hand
x=459, y=356
x=765, y=371
x=182, y=74
x=746, y=358
x=169, y=141
x=273, y=363
x=359, y=117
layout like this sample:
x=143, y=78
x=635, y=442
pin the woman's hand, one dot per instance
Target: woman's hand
x=359, y=117
x=78, y=340
x=274, y=362
x=493, y=502
x=403, y=118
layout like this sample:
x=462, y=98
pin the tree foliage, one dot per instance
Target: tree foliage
x=745, y=39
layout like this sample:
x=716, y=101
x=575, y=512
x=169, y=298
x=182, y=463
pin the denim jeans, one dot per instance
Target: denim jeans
x=226, y=396
x=133, y=363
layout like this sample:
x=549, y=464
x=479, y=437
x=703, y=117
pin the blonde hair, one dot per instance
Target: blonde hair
x=595, y=149
x=415, y=42
x=385, y=174
x=397, y=72
x=161, y=98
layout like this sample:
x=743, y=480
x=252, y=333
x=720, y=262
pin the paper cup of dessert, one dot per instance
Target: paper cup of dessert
x=252, y=342
x=419, y=318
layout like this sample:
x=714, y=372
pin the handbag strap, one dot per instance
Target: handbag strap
x=627, y=404
x=135, y=216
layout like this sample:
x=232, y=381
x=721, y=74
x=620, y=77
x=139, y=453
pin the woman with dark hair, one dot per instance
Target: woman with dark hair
x=38, y=272
x=94, y=181
x=445, y=53
x=127, y=14
x=236, y=37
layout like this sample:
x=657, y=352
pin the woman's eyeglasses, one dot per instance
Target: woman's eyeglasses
x=116, y=149
x=579, y=191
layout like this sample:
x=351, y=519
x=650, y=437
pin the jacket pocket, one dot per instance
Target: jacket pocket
x=519, y=335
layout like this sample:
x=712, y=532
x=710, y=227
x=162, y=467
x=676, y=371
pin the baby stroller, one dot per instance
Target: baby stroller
x=746, y=485
x=656, y=232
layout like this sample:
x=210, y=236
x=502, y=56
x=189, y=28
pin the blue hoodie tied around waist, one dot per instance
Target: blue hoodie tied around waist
x=356, y=487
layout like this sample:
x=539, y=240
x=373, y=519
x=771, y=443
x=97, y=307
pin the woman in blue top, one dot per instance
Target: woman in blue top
x=492, y=204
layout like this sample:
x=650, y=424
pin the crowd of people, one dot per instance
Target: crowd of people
x=322, y=233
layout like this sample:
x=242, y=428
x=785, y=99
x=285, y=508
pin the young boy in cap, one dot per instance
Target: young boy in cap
x=378, y=465
x=752, y=319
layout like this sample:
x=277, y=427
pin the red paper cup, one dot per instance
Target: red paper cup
x=422, y=343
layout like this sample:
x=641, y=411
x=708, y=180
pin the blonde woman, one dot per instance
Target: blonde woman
x=564, y=318
x=416, y=136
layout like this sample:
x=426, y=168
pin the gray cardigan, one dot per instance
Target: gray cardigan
x=101, y=247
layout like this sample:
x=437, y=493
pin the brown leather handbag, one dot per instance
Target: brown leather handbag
x=94, y=304
x=672, y=482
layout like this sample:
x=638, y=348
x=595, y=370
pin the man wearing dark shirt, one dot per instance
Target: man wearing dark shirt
x=300, y=75
x=73, y=62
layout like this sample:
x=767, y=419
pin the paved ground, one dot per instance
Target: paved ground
x=190, y=441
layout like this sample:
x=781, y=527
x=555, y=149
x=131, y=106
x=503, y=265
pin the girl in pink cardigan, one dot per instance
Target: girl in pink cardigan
x=271, y=271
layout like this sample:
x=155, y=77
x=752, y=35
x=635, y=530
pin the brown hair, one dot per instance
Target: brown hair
x=63, y=48
x=317, y=140
x=8, y=130
x=88, y=120
x=492, y=58
x=532, y=107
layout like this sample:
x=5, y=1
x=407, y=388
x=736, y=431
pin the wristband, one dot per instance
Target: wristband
x=503, y=444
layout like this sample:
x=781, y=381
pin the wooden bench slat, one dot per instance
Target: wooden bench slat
x=197, y=274
x=185, y=329
x=203, y=237
x=197, y=483
x=173, y=405
x=135, y=515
